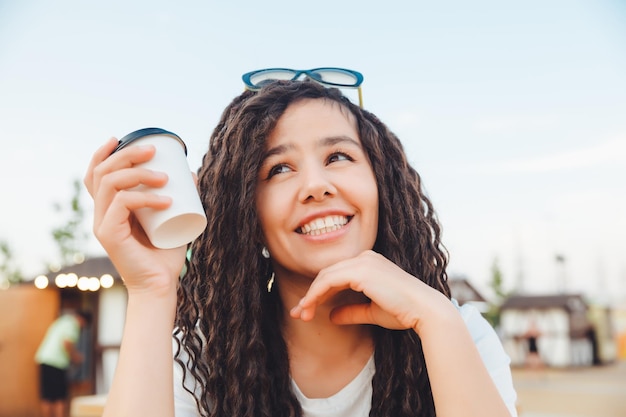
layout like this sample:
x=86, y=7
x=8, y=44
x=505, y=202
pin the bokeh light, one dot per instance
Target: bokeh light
x=106, y=281
x=41, y=282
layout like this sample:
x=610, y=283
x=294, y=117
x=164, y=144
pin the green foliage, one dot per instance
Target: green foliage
x=70, y=236
x=493, y=315
x=497, y=286
x=497, y=282
x=9, y=272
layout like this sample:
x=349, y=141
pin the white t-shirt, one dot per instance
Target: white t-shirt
x=354, y=399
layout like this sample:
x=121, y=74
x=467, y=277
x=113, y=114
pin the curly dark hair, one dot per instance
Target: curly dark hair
x=229, y=326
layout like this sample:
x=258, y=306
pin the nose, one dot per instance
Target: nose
x=316, y=184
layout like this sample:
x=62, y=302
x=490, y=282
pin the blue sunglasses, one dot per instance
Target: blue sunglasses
x=330, y=76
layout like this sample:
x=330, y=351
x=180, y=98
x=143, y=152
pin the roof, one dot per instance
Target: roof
x=91, y=267
x=463, y=291
x=569, y=302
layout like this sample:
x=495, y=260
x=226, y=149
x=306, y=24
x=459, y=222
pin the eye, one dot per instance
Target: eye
x=339, y=156
x=278, y=169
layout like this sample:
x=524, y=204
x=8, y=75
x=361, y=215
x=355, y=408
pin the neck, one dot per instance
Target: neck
x=323, y=357
x=320, y=338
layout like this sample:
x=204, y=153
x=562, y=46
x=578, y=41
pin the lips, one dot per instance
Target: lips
x=323, y=225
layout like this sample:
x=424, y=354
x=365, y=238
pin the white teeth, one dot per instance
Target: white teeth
x=323, y=225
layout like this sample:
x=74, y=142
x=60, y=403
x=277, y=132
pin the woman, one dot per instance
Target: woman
x=317, y=289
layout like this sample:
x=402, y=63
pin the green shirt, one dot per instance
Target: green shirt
x=52, y=350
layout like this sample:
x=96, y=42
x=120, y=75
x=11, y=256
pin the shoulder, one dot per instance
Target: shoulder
x=67, y=320
x=68, y=324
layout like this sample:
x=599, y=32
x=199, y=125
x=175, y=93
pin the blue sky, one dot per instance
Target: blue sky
x=514, y=114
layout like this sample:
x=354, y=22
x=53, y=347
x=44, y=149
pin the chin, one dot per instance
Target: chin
x=335, y=257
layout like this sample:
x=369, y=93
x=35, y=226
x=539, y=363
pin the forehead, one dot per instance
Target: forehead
x=313, y=119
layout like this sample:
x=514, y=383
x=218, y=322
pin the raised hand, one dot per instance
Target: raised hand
x=110, y=180
x=398, y=299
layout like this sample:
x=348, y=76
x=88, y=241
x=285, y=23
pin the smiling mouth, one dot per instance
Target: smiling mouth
x=323, y=225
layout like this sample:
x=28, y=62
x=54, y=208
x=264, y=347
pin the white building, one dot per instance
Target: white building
x=566, y=336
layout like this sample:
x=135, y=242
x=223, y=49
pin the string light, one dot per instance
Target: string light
x=106, y=281
x=41, y=282
x=71, y=280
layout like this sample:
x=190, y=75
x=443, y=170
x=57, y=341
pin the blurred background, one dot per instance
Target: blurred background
x=513, y=114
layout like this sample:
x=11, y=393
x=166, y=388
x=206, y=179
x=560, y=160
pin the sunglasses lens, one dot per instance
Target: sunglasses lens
x=264, y=77
x=335, y=77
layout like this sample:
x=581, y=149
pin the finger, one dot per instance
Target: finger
x=323, y=291
x=115, y=223
x=100, y=155
x=333, y=279
x=324, y=287
x=125, y=158
x=350, y=273
x=124, y=179
x=129, y=178
x=125, y=202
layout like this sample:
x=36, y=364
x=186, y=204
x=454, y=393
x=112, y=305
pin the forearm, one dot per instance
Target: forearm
x=461, y=384
x=142, y=384
x=72, y=351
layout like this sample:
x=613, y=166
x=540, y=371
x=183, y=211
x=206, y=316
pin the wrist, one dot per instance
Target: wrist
x=439, y=313
x=158, y=287
x=152, y=309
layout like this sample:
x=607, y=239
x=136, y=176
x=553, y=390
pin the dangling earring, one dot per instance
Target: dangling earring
x=265, y=253
x=270, y=283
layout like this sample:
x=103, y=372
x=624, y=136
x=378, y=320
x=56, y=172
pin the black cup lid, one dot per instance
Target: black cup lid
x=138, y=134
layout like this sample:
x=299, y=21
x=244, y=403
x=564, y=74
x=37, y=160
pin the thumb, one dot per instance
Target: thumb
x=352, y=314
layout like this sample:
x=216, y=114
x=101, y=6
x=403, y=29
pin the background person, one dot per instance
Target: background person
x=318, y=288
x=55, y=354
x=532, y=335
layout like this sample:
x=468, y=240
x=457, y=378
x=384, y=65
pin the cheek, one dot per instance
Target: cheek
x=270, y=208
x=262, y=210
x=374, y=202
x=367, y=192
x=370, y=188
x=374, y=219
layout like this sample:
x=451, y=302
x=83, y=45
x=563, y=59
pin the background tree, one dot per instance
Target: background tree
x=10, y=273
x=496, y=284
x=71, y=237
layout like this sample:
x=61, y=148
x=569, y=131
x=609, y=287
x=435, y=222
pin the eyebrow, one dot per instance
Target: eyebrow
x=323, y=142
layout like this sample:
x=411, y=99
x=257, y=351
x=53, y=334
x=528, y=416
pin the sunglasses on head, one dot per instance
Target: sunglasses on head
x=329, y=76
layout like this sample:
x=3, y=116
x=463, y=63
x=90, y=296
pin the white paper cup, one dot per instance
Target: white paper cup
x=185, y=219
